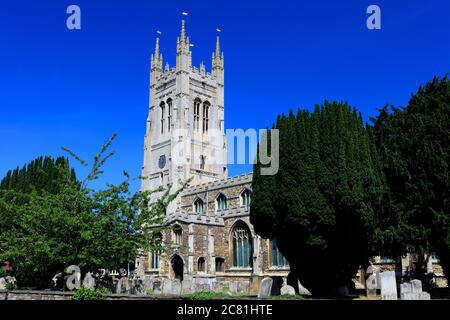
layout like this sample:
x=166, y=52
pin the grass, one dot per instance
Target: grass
x=209, y=295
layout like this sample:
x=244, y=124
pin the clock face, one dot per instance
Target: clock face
x=162, y=161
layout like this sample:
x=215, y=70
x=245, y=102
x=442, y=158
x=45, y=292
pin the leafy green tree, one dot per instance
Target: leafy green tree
x=322, y=205
x=43, y=173
x=66, y=222
x=414, y=147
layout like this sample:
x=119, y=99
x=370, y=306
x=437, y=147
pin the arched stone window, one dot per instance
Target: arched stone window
x=177, y=235
x=278, y=260
x=221, y=202
x=161, y=179
x=155, y=253
x=199, y=206
x=241, y=246
x=246, y=198
x=163, y=111
x=219, y=264
x=206, y=108
x=197, y=103
x=169, y=114
x=201, y=264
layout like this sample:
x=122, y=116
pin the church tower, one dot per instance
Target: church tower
x=185, y=136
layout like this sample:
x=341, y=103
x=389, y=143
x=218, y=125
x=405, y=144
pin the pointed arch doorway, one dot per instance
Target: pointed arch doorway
x=176, y=267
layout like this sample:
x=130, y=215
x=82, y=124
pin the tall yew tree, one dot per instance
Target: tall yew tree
x=414, y=145
x=322, y=204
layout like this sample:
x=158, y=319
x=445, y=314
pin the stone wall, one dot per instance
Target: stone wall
x=34, y=295
x=56, y=295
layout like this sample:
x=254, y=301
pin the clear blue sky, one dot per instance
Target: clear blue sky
x=75, y=88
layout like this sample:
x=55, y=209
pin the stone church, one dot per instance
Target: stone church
x=211, y=244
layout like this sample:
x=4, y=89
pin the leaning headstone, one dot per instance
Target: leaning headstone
x=89, y=280
x=287, y=290
x=388, y=285
x=265, y=288
x=302, y=290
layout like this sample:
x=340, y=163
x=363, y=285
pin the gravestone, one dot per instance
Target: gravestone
x=406, y=291
x=371, y=285
x=186, y=286
x=3, y=284
x=424, y=296
x=176, y=287
x=123, y=285
x=416, y=286
x=137, y=287
x=157, y=287
x=388, y=285
x=5, y=281
x=375, y=271
x=166, y=287
x=302, y=290
x=287, y=290
x=265, y=288
x=413, y=291
x=89, y=280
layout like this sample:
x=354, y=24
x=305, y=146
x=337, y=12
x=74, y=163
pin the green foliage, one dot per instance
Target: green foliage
x=41, y=174
x=42, y=231
x=10, y=286
x=204, y=295
x=209, y=295
x=414, y=147
x=322, y=204
x=3, y=273
x=86, y=293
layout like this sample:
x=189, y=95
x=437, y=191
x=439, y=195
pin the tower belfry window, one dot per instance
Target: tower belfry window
x=206, y=106
x=202, y=162
x=169, y=114
x=197, y=103
x=163, y=109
